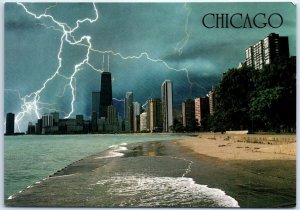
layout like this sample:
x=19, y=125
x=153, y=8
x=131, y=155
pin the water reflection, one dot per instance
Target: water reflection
x=152, y=149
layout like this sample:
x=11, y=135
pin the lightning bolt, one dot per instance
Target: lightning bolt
x=31, y=102
x=181, y=44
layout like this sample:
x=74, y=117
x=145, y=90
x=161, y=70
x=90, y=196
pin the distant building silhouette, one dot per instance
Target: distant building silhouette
x=30, y=128
x=201, y=108
x=55, y=118
x=167, y=105
x=266, y=51
x=10, y=123
x=188, y=113
x=94, y=122
x=38, y=126
x=95, y=103
x=105, y=93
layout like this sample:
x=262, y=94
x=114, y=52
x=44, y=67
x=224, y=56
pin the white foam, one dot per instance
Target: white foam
x=143, y=191
x=10, y=197
x=115, y=151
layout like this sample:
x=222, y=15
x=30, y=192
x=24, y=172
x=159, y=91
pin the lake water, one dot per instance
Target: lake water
x=28, y=159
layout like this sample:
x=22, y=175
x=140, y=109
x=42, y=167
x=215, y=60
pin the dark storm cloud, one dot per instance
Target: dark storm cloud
x=204, y=50
x=21, y=25
x=16, y=20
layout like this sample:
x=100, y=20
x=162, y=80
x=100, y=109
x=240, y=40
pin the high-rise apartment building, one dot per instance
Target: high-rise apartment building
x=201, y=108
x=154, y=115
x=143, y=121
x=188, y=113
x=167, y=105
x=55, y=118
x=47, y=120
x=136, y=114
x=266, y=51
x=10, y=124
x=111, y=122
x=128, y=112
x=105, y=93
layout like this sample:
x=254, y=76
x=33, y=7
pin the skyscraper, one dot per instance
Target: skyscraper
x=201, y=108
x=167, y=105
x=136, y=112
x=143, y=121
x=188, y=113
x=96, y=103
x=105, y=93
x=10, y=124
x=266, y=51
x=154, y=115
x=128, y=112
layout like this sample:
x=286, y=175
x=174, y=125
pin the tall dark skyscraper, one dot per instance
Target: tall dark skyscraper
x=10, y=124
x=105, y=93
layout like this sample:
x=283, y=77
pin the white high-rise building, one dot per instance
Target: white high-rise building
x=167, y=105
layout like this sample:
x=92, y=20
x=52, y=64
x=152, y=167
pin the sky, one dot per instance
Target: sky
x=54, y=53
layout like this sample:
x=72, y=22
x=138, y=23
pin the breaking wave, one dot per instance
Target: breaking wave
x=144, y=191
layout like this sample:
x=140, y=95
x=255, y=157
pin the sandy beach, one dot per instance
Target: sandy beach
x=243, y=147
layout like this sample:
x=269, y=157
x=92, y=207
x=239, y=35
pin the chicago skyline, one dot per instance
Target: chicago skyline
x=186, y=53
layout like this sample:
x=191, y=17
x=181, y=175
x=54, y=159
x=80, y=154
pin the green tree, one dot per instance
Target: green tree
x=232, y=99
x=273, y=104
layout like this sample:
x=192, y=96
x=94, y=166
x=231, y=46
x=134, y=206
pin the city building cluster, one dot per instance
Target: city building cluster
x=158, y=115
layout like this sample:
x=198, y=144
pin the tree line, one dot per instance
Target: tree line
x=256, y=100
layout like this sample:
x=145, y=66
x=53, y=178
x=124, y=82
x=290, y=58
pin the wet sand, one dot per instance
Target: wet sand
x=253, y=183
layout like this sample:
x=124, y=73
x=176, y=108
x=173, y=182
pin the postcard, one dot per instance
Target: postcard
x=150, y=104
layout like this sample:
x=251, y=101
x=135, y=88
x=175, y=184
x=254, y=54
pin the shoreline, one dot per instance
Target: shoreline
x=252, y=182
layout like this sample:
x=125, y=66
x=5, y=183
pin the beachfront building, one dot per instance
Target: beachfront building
x=188, y=113
x=201, y=108
x=266, y=51
x=167, y=105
